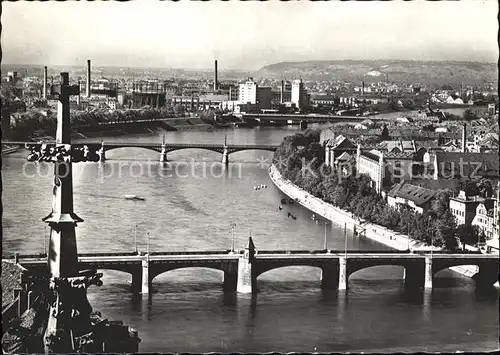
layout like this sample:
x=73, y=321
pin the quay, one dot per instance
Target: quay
x=242, y=269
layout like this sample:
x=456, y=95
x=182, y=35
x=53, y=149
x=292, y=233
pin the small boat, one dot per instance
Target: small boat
x=290, y=201
x=280, y=208
x=294, y=218
x=283, y=201
x=134, y=197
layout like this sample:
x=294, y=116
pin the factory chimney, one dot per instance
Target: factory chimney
x=44, y=94
x=87, y=88
x=362, y=88
x=464, y=138
x=215, y=77
x=282, y=92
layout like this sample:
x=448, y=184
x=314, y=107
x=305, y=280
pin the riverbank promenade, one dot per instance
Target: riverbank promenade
x=241, y=269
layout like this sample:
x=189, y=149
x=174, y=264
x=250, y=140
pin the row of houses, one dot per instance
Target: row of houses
x=410, y=172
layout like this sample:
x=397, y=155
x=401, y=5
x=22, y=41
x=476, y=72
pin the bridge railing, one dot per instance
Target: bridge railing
x=198, y=252
x=44, y=255
x=262, y=252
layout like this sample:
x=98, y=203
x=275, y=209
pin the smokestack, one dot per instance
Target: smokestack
x=44, y=82
x=464, y=138
x=215, y=77
x=362, y=88
x=87, y=88
x=282, y=94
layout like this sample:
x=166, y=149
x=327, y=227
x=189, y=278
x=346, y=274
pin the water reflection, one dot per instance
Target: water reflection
x=426, y=304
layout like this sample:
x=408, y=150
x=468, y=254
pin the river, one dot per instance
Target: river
x=190, y=207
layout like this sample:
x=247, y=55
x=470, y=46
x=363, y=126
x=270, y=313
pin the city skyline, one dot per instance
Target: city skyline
x=141, y=34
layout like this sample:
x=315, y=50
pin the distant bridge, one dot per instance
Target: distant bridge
x=242, y=269
x=163, y=148
x=310, y=118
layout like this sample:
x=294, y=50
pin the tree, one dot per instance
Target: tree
x=445, y=231
x=485, y=188
x=468, y=234
x=469, y=186
x=441, y=202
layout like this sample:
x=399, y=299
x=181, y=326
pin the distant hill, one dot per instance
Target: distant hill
x=428, y=73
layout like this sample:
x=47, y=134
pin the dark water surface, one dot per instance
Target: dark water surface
x=190, y=207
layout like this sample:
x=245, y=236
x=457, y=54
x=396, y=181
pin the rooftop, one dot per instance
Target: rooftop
x=419, y=195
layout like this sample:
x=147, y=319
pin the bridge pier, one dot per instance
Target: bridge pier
x=137, y=281
x=342, y=273
x=414, y=275
x=329, y=278
x=247, y=281
x=102, y=153
x=428, y=273
x=145, y=281
x=487, y=275
x=230, y=281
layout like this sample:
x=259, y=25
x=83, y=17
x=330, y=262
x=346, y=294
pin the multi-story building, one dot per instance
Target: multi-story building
x=464, y=208
x=248, y=92
x=451, y=165
x=371, y=163
x=264, y=97
x=484, y=217
x=416, y=197
x=336, y=147
x=385, y=168
x=299, y=94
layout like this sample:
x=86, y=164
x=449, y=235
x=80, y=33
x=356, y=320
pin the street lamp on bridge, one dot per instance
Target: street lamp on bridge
x=408, y=237
x=325, y=245
x=345, y=239
x=45, y=240
x=135, y=238
x=232, y=225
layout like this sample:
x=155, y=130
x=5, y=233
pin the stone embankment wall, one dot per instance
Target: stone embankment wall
x=339, y=216
x=370, y=230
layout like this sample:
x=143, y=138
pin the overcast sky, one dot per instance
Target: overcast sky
x=245, y=35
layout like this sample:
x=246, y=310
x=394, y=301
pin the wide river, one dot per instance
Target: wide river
x=190, y=207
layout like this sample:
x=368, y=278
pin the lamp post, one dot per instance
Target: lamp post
x=148, y=244
x=432, y=239
x=135, y=238
x=325, y=243
x=345, y=240
x=232, y=236
x=408, y=237
x=45, y=240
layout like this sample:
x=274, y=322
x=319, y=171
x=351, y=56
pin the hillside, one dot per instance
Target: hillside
x=376, y=70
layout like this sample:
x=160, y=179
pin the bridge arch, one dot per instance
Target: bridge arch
x=155, y=272
x=236, y=150
x=299, y=269
x=212, y=149
x=123, y=268
x=393, y=270
x=121, y=276
x=114, y=148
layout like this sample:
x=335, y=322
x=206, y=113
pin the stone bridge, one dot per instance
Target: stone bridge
x=163, y=148
x=241, y=270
